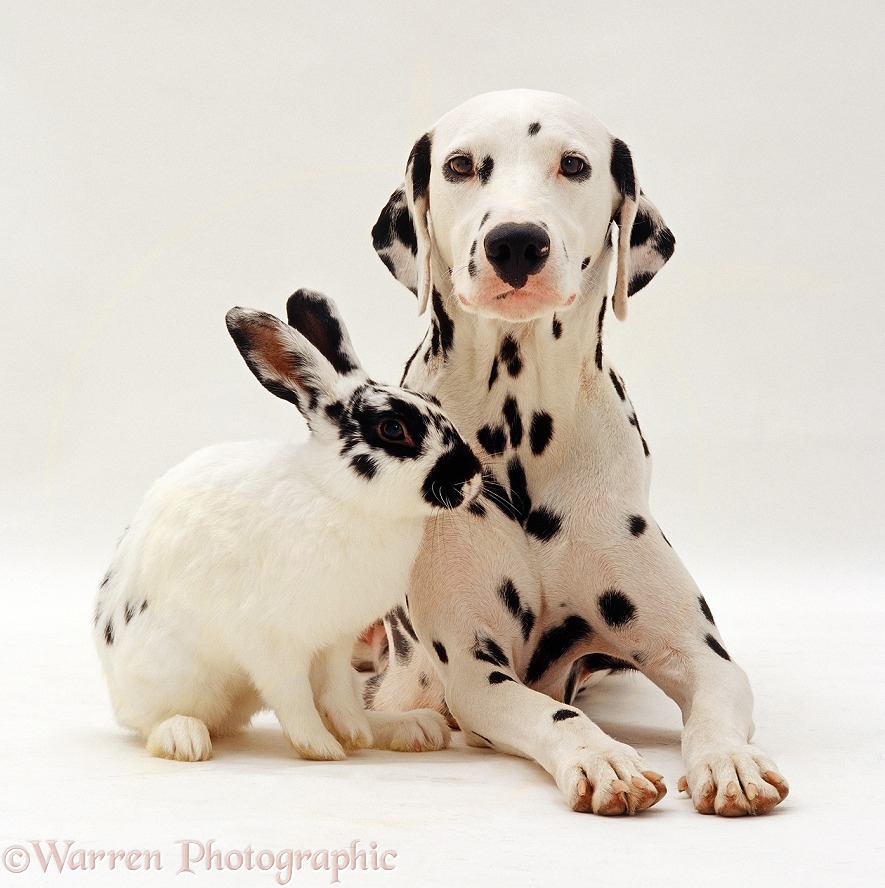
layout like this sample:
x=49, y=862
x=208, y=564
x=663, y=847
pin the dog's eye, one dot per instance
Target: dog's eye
x=393, y=431
x=460, y=165
x=571, y=165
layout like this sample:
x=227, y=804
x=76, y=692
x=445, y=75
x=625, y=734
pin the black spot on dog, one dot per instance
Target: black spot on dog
x=434, y=338
x=665, y=243
x=563, y=714
x=473, y=249
x=705, y=609
x=406, y=368
x=485, y=218
x=543, y=524
x=617, y=384
x=519, y=489
x=105, y=581
x=370, y=688
x=493, y=373
x=441, y=652
x=534, y=128
x=477, y=508
x=637, y=525
x=540, y=432
x=423, y=680
x=401, y=645
x=109, y=632
x=403, y=617
x=514, y=421
x=420, y=160
x=489, y=651
x=510, y=355
x=129, y=613
x=405, y=230
x=484, y=170
x=364, y=465
x=388, y=264
x=585, y=263
x=617, y=610
x=382, y=231
x=557, y=327
x=716, y=647
x=621, y=167
x=638, y=281
x=600, y=662
x=510, y=596
x=642, y=229
x=471, y=268
x=496, y=678
x=599, y=322
x=554, y=643
x=634, y=421
x=495, y=492
x=143, y=606
x=492, y=439
x=528, y=622
x=446, y=325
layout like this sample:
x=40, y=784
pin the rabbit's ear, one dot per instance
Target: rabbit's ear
x=283, y=360
x=316, y=317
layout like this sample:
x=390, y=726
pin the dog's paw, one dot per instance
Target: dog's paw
x=735, y=782
x=182, y=737
x=420, y=730
x=612, y=780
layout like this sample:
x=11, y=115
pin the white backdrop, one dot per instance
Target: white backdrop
x=165, y=161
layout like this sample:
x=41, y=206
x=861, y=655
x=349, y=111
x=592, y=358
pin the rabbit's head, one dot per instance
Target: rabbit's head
x=395, y=446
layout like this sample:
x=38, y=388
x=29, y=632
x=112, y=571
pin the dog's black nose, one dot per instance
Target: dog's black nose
x=517, y=250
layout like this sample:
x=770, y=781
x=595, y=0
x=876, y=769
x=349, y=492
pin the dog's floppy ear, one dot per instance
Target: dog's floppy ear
x=401, y=235
x=644, y=241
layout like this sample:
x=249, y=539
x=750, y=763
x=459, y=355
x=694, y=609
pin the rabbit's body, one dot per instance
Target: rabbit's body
x=250, y=568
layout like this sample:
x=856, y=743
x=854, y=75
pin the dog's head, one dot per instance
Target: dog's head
x=512, y=195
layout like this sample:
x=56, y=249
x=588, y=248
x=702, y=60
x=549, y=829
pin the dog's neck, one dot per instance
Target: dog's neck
x=555, y=358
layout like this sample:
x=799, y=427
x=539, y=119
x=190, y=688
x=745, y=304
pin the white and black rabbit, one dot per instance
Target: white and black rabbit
x=250, y=568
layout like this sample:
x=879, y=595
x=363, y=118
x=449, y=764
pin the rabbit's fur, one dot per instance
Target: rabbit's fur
x=250, y=568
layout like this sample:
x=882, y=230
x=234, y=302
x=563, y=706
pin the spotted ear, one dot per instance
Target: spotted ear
x=401, y=235
x=644, y=241
x=316, y=317
x=282, y=359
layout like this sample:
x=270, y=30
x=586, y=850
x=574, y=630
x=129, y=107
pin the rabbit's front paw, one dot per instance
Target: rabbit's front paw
x=182, y=738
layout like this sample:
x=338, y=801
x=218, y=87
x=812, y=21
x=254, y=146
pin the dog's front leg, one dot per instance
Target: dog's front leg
x=595, y=773
x=651, y=606
x=726, y=774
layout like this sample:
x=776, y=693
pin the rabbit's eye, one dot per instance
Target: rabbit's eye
x=392, y=430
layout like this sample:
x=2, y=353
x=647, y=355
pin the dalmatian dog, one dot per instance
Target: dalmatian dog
x=505, y=227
